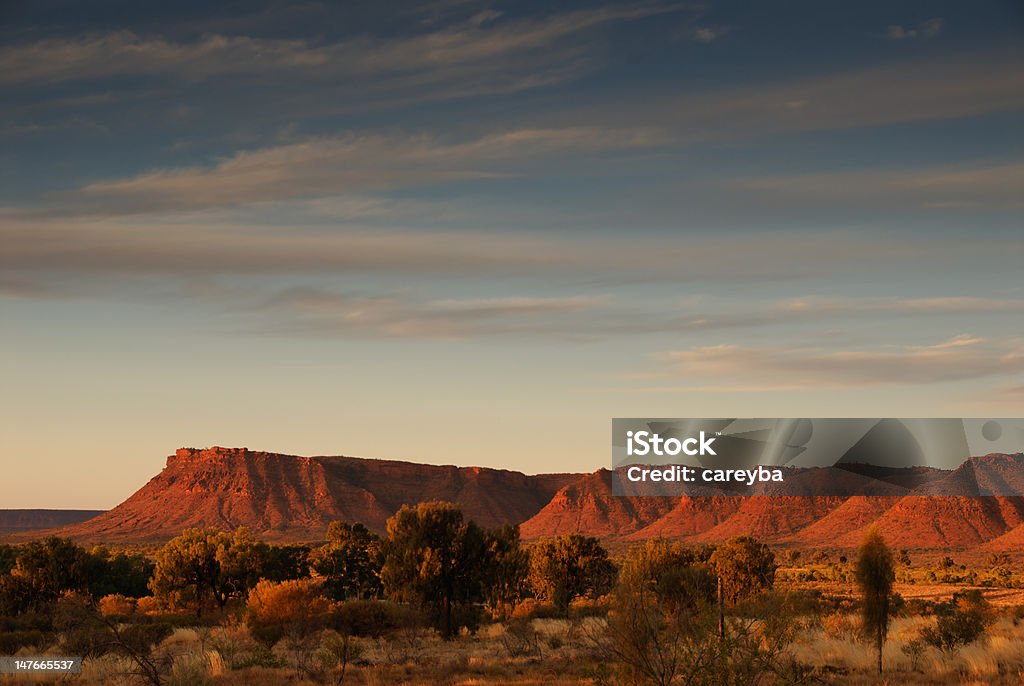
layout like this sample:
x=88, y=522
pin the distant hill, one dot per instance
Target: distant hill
x=30, y=520
x=291, y=498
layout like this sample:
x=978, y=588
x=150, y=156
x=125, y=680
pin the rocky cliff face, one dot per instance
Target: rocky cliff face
x=285, y=497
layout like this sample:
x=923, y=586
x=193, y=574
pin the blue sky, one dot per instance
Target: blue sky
x=473, y=233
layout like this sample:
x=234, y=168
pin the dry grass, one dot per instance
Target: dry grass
x=566, y=658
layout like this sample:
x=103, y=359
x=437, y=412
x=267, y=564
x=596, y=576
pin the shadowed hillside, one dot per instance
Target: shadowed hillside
x=285, y=497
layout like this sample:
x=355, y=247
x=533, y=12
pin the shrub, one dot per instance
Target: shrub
x=294, y=608
x=961, y=622
x=372, y=618
x=520, y=639
x=117, y=605
x=531, y=608
x=13, y=641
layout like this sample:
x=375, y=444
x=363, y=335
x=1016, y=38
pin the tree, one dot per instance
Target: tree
x=662, y=628
x=122, y=573
x=672, y=572
x=286, y=562
x=437, y=561
x=350, y=562
x=745, y=567
x=8, y=556
x=509, y=569
x=875, y=576
x=569, y=567
x=187, y=571
x=204, y=565
x=54, y=565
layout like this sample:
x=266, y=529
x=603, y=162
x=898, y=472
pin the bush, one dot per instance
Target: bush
x=960, y=622
x=294, y=608
x=13, y=641
x=520, y=639
x=372, y=618
x=531, y=608
x=117, y=605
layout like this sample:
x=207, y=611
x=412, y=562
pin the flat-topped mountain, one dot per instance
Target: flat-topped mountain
x=282, y=497
x=286, y=497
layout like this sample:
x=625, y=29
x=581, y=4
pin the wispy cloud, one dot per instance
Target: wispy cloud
x=926, y=29
x=190, y=244
x=709, y=34
x=896, y=92
x=950, y=187
x=487, y=53
x=319, y=312
x=961, y=358
x=350, y=164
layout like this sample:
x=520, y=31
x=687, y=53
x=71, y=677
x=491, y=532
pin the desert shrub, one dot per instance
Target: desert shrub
x=582, y=608
x=371, y=618
x=149, y=605
x=294, y=608
x=117, y=605
x=13, y=641
x=961, y=622
x=662, y=645
x=190, y=670
x=336, y=652
x=520, y=639
x=531, y=608
x=913, y=650
x=237, y=648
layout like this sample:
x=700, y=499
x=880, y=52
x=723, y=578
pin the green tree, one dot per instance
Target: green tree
x=569, y=567
x=745, y=567
x=875, y=576
x=187, y=572
x=54, y=565
x=121, y=573
x=8, y=556
x=286, y=562
x=507, y=577
x=674, y=575
x=437, y=561
x=350, y=562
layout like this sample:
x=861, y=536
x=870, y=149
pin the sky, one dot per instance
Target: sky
x=474, y=232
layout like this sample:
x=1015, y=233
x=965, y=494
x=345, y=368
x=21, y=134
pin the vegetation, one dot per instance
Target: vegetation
x=875, y=575
x=211, y=607
x=569, y=567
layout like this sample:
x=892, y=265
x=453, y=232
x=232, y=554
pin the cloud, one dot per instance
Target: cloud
x=313, y=311
x=488, y=52
x=896, y=92
x=950, y=187
x=348, y=164
x=818, y=307
x=926, y=29
x=190, y=244
x=709, y=34
x=25, y=289
x=960, y=358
